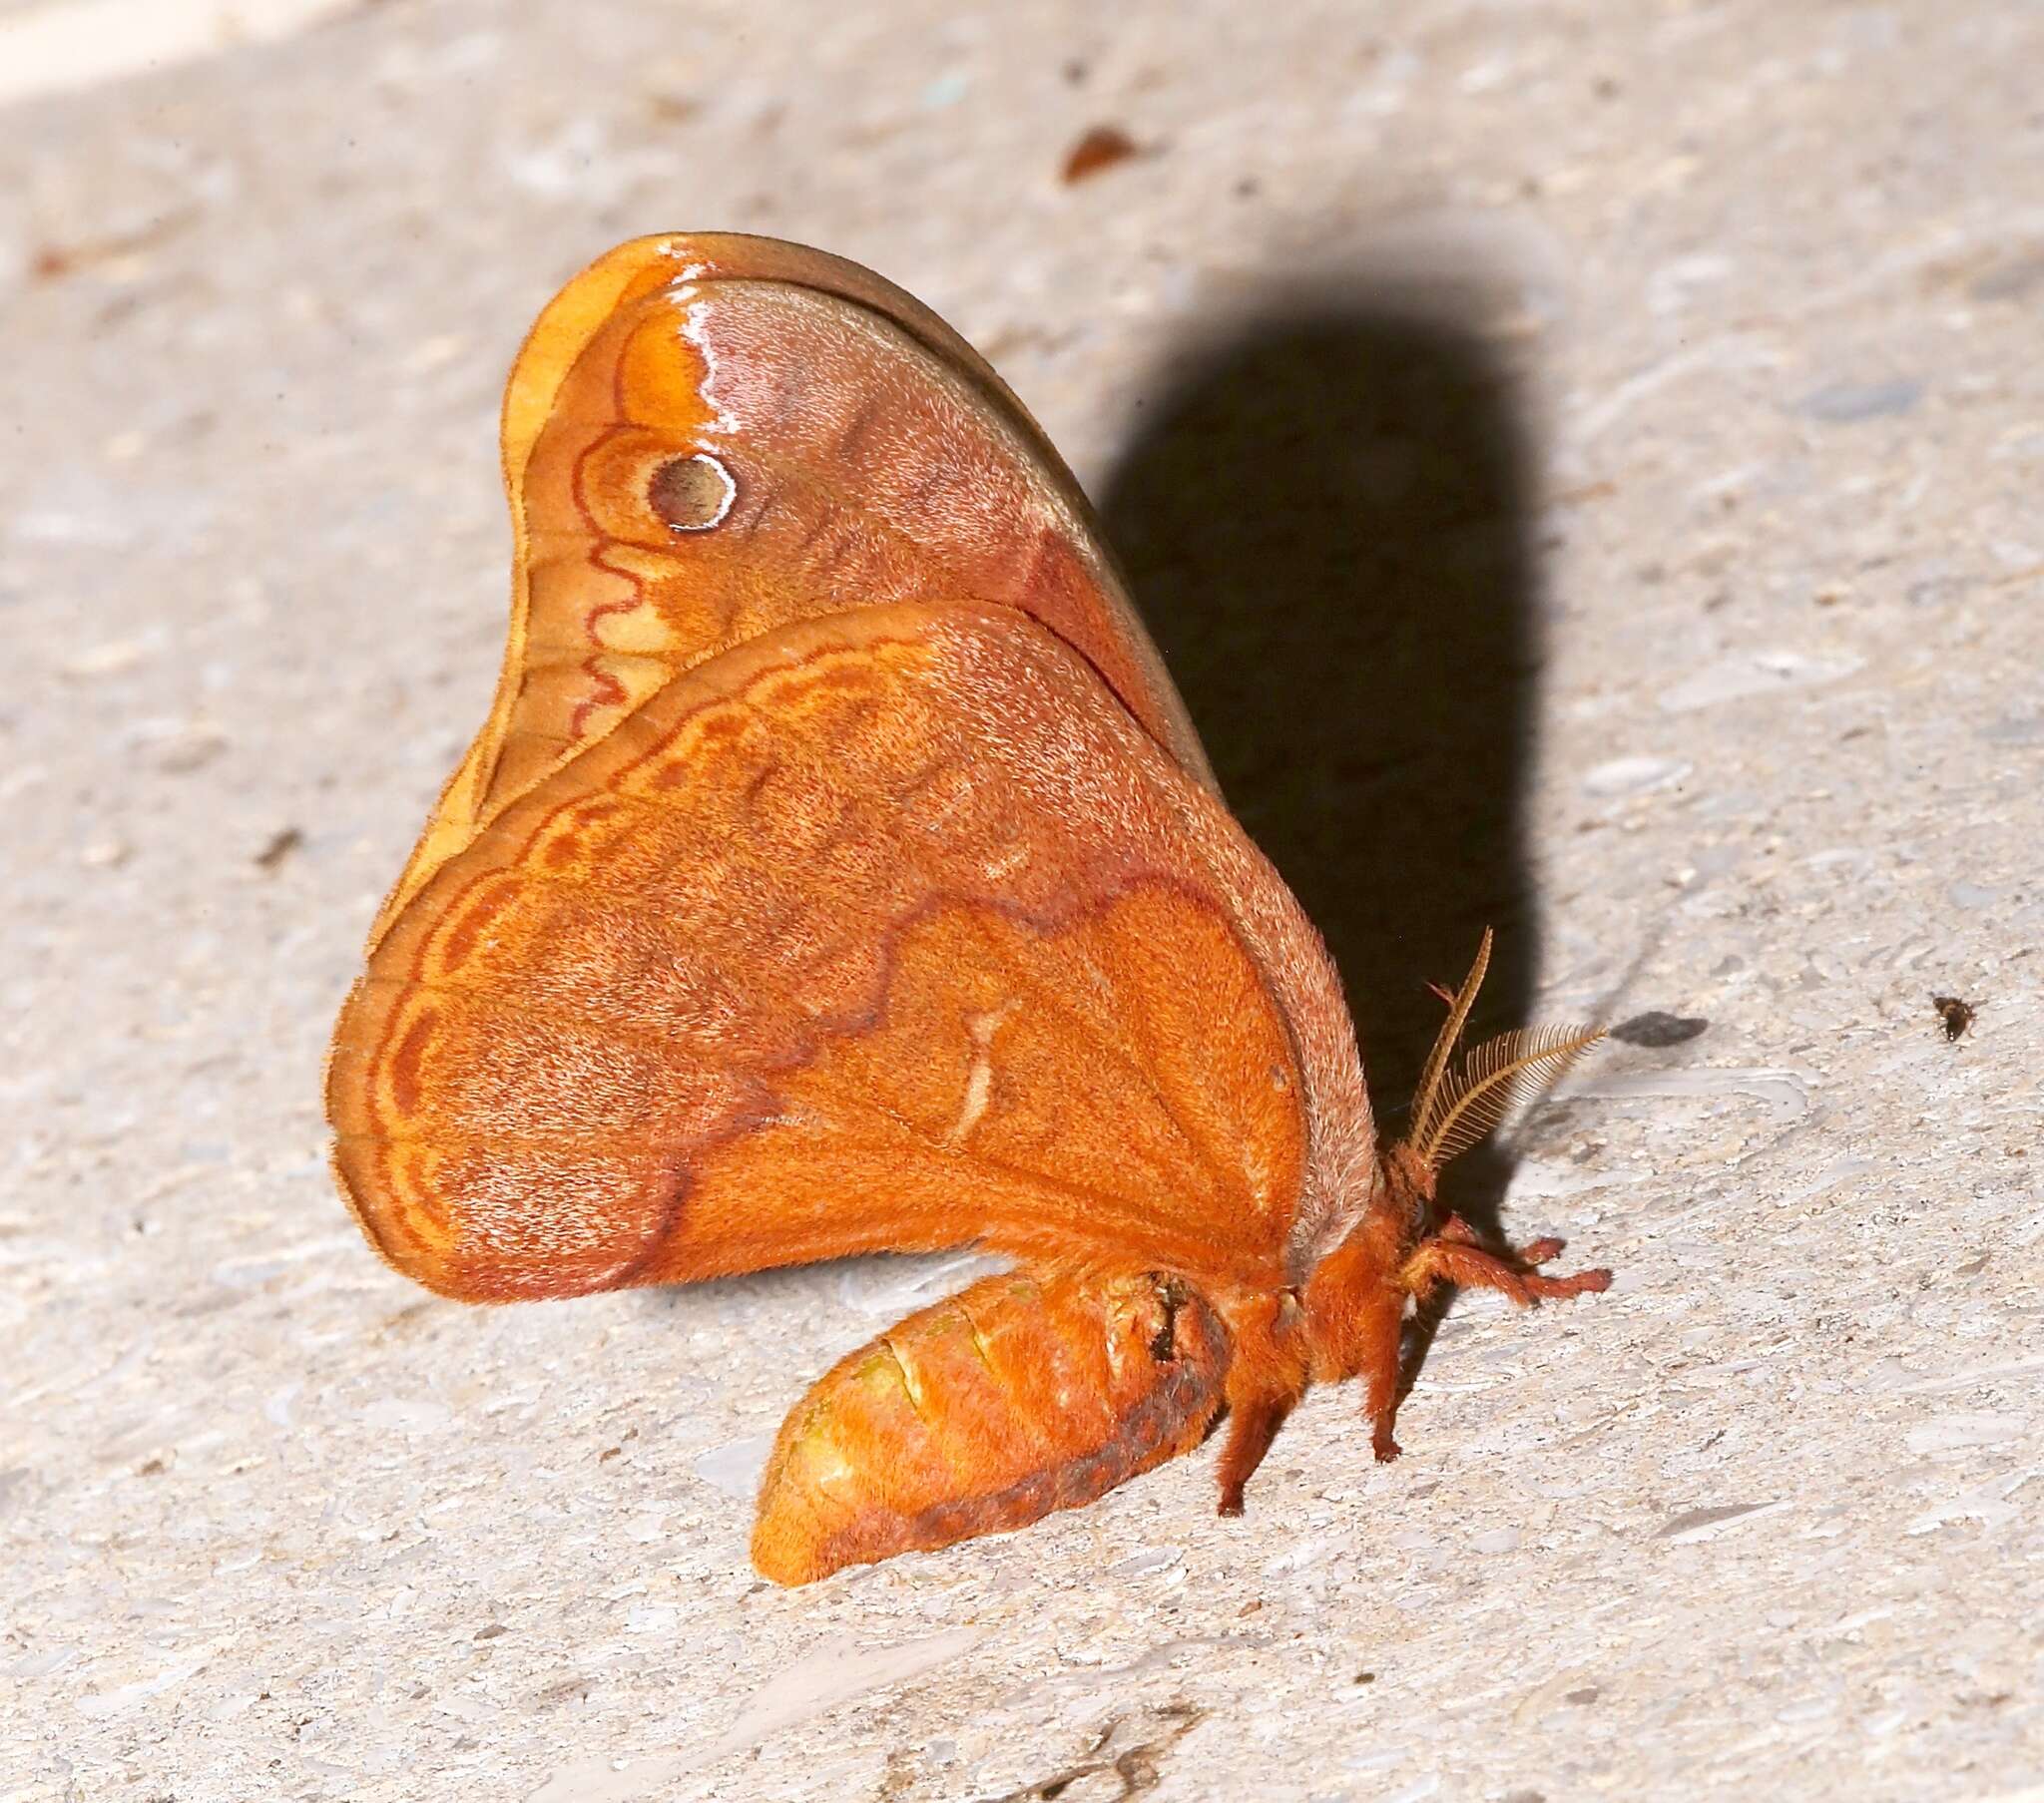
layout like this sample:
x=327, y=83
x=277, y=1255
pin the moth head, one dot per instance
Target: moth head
x=1459, y=1099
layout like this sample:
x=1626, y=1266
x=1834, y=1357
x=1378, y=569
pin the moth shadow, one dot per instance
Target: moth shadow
x=1326, y=522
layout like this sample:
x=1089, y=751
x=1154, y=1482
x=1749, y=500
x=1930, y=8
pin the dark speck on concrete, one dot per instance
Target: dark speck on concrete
x=1656, y=1028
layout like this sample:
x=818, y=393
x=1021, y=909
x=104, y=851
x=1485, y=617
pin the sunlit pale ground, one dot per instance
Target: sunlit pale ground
x=1583, y=462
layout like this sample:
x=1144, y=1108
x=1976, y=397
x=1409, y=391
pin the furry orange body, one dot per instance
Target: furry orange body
x=837, y=872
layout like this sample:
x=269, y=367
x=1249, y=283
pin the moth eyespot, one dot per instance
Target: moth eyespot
x=692, y=493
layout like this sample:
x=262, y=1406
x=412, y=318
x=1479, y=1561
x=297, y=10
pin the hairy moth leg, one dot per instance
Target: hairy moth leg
x=1019, y=1395
x=1251, y=1429
x=1383, y=1371
x=1271, y=1365
x=1455, y=1255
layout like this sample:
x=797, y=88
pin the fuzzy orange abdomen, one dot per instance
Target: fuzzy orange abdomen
x=1015, y=1397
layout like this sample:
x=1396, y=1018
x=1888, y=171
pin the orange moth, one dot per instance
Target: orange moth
x=837, y=872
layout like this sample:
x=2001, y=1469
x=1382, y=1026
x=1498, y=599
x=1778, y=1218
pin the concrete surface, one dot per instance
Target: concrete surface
x=1583, y=459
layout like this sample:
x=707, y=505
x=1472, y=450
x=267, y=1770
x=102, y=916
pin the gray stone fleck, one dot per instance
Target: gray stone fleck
x=1842, y=403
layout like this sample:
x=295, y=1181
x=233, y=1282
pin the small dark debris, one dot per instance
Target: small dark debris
x=1136, y=1767
x=1366, y=1677
x=1656, y=1028
x=1588, y=1694
x=1075, y=71
x=608, y=1453
x=1100, y=147
x=492, y=1631
x=151, y=1468
x=672, y=109
x=52, y=263
x=1690, y=1519
x=281, y=845
x=1957, y=1016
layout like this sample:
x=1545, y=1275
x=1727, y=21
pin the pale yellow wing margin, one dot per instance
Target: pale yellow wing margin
x=706, y=437
x=888, y=930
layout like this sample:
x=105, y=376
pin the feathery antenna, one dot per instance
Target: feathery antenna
x=1500, y=1072
x=1427, y=1096
x=1453, y=1110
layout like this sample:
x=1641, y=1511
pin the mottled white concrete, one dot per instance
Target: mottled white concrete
x=1757, y=287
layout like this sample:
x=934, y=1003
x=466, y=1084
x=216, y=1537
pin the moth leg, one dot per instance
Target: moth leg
x=1534, y=1252
x=1453, y=1257
x=1251, y=1429
x=1268, y=1373
x=1384, y=1336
